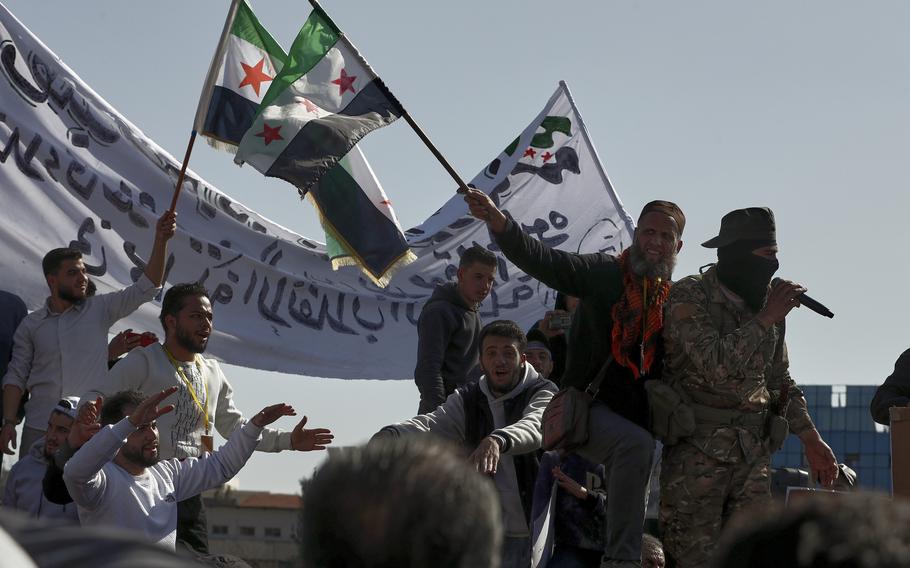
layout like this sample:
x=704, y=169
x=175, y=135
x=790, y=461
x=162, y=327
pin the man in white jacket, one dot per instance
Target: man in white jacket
x=117, y=479
x=204, y=401
x=497, y=419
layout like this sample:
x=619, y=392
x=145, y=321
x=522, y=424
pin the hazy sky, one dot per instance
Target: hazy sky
x=799, y=106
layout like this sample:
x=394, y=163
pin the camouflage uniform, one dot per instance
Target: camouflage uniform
x=729, y=367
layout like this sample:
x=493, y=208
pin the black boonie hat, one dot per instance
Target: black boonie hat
x=752, y=223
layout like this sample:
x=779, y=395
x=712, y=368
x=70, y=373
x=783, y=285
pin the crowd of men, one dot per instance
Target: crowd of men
x=699, y=364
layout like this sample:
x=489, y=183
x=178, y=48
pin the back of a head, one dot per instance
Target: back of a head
x=857, y=530
x=400, y=503
x=115, y=406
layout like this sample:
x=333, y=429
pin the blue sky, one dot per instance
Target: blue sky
x=801, y=107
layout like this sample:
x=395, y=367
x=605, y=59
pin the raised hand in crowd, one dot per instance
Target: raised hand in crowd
x=555, y=322
x=483, y=208
x=272, y=413
x=126, y=341
x=304, y=440
x=148, y=411
x=165, y=228
x=781, y=300
x=86, y=424
x=485, y=457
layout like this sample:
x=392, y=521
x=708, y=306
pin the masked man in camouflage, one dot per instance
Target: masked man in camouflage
x=725, y=354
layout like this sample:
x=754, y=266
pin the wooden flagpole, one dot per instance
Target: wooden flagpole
x=182, y=175
x=462, y=186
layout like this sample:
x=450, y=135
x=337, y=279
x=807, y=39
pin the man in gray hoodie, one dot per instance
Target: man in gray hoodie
x=497, y=420
x=448, y=329
x=23, y=486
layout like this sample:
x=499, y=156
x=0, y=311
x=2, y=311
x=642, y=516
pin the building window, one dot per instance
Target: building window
x=838, y=396
x=247, y=531
x=219, y=529
x=273, y=532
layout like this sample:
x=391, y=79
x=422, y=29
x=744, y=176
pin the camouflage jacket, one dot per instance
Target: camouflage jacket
x=720, y=356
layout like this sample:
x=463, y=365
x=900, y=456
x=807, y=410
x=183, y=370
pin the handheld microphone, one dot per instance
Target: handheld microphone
x=811, y=303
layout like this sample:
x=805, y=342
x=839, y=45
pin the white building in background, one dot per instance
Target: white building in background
x=257, y=526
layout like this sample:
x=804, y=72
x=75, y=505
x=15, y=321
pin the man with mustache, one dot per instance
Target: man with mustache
x=62, y=345
x=620, y=314
x=204, y=400
x=725, y=354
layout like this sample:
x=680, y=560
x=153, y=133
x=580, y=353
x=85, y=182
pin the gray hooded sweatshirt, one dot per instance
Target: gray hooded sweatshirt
x=448, y=341
x=23, y=488
x=522, y=437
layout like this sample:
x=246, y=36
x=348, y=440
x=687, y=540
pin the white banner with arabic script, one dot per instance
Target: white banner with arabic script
x=74, y=172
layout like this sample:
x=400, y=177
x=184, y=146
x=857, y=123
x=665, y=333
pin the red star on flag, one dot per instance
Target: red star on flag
x=254, y=76
x=546, y=156
x=345, y=82
x=529, y=153
x=270, y=134
x=310, y=107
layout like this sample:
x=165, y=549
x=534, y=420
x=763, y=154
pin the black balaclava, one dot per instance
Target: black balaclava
x=747, y=275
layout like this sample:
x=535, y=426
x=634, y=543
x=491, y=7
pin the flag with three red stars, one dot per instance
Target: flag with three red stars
x=246, y=61
x=321, y=103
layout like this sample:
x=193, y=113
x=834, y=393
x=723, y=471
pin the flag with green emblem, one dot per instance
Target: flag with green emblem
x=323, y=101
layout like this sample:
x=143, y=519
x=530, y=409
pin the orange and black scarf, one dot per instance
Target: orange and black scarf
x=638, y=319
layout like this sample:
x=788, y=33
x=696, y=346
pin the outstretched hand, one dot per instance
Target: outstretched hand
x=304, y=440
x=485, y=458
x=272, y=413
x=86, y=424
x=148, y=410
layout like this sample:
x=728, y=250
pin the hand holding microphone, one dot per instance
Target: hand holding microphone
x=785, y=296
x=811, y=303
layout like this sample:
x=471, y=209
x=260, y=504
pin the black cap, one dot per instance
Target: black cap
x=752, y=223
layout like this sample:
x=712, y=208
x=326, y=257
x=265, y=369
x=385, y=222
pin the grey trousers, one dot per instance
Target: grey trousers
x=627, y=451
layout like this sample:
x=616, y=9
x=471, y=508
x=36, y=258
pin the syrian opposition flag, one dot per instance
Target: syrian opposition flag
x=245, y=63
x=321, y=104
x=323, y=101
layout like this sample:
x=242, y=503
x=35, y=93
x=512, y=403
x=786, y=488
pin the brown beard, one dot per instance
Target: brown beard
x=138, y=458
x=644, y=268
x=185, y=340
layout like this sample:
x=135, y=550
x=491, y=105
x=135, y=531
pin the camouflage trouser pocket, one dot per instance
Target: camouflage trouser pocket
x=670, y=418
x=777, y=430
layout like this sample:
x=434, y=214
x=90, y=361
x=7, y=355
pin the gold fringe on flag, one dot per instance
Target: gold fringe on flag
x=353, y=259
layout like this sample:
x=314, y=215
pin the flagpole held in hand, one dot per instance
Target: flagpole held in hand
x=462, y=186
x=182, y=175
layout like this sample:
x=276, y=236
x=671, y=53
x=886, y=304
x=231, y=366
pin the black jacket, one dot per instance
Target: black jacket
x=895, y=391
x=448, y=336
x=596, y=280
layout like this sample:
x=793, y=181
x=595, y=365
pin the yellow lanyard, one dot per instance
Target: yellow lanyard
x=189, y=386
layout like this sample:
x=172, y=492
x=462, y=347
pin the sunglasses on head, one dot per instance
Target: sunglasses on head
x=66, y=403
